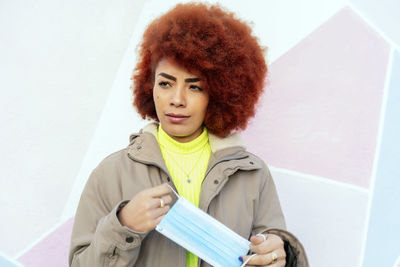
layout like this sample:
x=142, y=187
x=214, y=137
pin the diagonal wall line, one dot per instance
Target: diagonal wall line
x=320, y=179
x=90, y=161
x=373, y=26
x=40, y=239
x=378, y=151
x=16, y=263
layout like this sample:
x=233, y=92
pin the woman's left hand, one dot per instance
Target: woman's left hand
x=270, y=251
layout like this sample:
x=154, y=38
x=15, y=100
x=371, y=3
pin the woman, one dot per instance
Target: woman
x=199, y=77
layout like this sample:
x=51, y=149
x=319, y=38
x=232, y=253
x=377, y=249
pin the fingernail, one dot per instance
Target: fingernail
x=241, y=259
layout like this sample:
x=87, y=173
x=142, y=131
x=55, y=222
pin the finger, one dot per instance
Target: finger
x=158, y=220
x=257, y=265
x=167, y=199
x=256, y=260
x=155, y=217
x=263, y=248
x=280, y=263
x=152, y=224
x=281, y=253
x=153, y=203
x=159, y=190
x=279, y=256
x=159, y=212
x=266, y=259
x=272, y=243
x=256, y=240
x=259, y=246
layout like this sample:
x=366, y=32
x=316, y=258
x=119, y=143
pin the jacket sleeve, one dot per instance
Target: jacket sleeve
x=270, y=219
x=98, y=238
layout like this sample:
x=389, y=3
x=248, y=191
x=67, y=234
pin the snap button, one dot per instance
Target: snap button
x=251, y=162
x=129, y=239
x=216, y=181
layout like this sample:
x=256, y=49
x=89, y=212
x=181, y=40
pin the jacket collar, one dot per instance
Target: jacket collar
x=216, y=143
x=145, y=148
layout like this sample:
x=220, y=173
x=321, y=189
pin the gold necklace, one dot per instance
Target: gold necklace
x=187, y=174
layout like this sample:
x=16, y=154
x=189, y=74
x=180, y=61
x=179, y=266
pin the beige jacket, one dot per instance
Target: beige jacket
x=237, y=190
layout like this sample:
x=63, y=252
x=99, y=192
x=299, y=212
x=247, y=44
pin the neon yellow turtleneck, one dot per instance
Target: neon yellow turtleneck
x=187, y=164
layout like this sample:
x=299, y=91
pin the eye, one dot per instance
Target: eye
x=195, y=88
x=164, y=84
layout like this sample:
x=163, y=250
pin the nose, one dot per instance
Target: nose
x=178, y=97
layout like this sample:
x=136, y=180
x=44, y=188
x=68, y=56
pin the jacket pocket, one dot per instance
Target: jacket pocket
x=111, y=257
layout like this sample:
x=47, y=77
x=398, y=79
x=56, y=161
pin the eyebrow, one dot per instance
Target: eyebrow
x=188, y=80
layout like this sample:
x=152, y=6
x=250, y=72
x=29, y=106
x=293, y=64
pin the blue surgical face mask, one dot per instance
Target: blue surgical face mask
x=204, y=236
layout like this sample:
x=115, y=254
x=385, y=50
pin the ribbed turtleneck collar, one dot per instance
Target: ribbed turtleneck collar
x=174, y=146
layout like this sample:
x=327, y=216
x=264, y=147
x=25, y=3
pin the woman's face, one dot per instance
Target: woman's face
x=180, y=102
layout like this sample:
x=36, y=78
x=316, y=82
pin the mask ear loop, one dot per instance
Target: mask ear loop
x=252, y=256
x=244, y=263
x=177, y=195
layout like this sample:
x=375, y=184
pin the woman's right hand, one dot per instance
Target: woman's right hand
x=143, y=212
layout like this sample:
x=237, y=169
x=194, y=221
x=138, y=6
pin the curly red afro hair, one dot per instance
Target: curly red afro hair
x=208, y=40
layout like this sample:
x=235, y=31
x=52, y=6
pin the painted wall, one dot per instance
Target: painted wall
x=328, y=122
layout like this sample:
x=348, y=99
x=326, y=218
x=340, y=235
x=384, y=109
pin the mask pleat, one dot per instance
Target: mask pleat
x=200, y=235
x=203, y=235
x=215, y=229
x=206, y=228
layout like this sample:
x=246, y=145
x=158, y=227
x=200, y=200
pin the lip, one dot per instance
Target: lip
x=176, y=118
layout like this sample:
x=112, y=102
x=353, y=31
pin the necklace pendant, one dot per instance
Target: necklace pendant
x=188, y=180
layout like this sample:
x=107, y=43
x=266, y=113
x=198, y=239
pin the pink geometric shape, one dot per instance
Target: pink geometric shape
x=52, y=250
x=320, y=113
